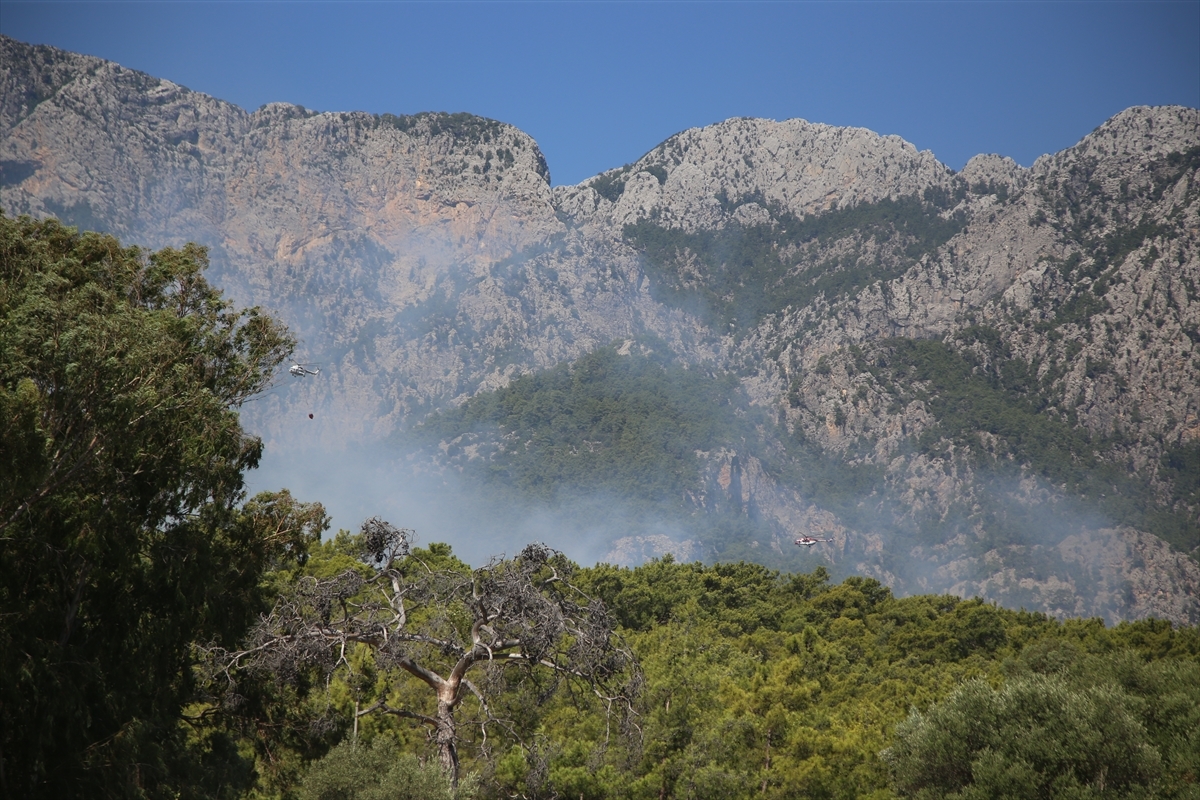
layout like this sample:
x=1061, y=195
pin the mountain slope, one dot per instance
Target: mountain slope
x=382, y=239
x=983, y=382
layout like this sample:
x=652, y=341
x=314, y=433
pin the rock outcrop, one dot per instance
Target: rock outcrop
x=691, y=180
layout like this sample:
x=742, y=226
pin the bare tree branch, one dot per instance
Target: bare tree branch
x=437, y=625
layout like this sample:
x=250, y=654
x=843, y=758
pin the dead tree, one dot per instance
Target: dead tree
x=437, y=625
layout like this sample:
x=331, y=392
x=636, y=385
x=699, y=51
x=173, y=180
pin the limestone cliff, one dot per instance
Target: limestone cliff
x=410, y=253
x=688, y=180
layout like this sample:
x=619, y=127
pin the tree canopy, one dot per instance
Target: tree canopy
x=427, y=617
x=122, y=533
x=761, y=684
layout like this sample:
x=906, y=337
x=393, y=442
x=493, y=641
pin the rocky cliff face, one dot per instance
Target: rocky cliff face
x=1080, y=273
x=804, y=168
x=387, y=242
x=864, y=294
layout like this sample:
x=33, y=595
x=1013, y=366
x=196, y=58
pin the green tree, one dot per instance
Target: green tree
x=428, y=619
x=122, y=536
x=1036, y=737
x=373, y=772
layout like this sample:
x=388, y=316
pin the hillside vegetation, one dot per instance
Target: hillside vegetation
x=626, y=423
x=641, y=430
x=965, y=384
x=757, y=683
x=739, y=274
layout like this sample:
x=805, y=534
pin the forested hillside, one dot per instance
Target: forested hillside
x=955, y=384
x=758, y=683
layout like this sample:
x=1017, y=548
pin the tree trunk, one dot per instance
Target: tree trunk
x=447, y=751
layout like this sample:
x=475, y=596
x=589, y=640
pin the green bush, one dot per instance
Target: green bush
x=377, y=771
x=1064, y=726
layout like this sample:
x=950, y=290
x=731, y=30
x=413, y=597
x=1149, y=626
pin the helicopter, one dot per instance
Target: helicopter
x=809, y=541
x=300, y=370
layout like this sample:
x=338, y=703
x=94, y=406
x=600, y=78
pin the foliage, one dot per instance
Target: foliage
x=627, y=424
x=1034, y=738
x=1098, y=726
x=373, y=772
x=738, y=275
x=611, y=430
x=121, y=534
x=464, y=128
x=761, y=684
x=395, y=614
x=611, y=185
x=631, y=428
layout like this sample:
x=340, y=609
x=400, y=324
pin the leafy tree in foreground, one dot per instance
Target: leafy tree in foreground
x=439, y=625
x=121, y=537
x=1036, y=737
x=1064, y=725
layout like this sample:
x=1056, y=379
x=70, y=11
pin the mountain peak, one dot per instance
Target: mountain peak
x=697, y=178
x=1132, y=136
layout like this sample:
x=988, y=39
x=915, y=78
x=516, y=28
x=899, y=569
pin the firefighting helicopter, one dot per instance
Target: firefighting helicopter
x=300, y=370
x=809, y=541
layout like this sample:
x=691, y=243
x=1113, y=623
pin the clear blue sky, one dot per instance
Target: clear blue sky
x=597, y=84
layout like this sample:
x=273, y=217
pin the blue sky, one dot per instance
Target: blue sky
x=597, y=84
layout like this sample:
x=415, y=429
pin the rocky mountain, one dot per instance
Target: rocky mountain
x=984, y=382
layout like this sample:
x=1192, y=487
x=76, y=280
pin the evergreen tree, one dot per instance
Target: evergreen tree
x=122, y=537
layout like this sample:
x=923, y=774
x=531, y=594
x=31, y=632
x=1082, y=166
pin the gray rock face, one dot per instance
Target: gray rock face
x=423, y=259
x=121, y=149
x=689, y=180
x=1108, y=320
x=32, y=74
x=392, y=230
x=995, y=170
